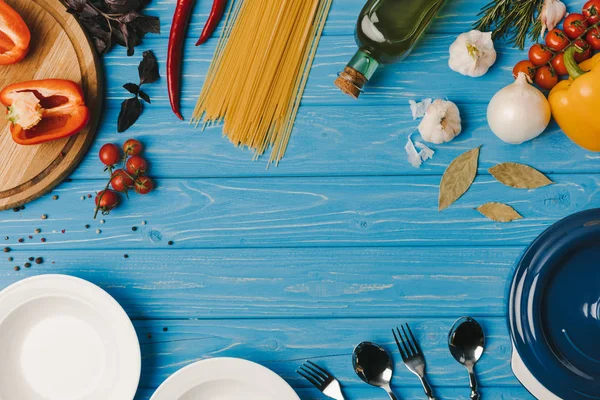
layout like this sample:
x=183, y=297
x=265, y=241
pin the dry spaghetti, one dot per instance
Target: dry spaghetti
x=261, y=65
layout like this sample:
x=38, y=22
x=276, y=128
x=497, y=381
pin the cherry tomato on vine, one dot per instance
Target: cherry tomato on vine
x=136, y=165
x=121, y=181
x=132, y=147
x=587, y=50
x=593, y=38
x=106, y=200
x=558, y=63
x=525, y=66
x=109, y=154
x=144, y=185
x=546, y=77
x=575, y=25
x=540, y=54
x=591, y=11
x=557, y=40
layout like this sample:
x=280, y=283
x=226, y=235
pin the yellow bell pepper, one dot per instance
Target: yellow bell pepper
x=575, y=102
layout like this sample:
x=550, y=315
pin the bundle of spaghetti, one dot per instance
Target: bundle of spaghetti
x=255, y=83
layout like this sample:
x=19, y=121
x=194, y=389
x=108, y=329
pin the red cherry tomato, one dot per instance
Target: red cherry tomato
x=540, y=54
x=136, y=166
x=591, y=11
x=558, y=63
x=587, y=50
x=132, y=147
x=109, y=154
x=106, y=200
x=557, y=40
x=144, y=185
x=121, y=181
x=525, y=66
x=593, y=38
x=575, y=25
x=546, y=77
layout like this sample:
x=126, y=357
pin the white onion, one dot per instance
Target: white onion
x=519, y=112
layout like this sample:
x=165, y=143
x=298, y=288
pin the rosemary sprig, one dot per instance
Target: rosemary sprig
x=514, y=20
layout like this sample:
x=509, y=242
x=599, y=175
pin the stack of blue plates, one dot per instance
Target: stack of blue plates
x=554, y=311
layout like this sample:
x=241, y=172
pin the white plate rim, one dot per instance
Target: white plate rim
x=90, y=294
x=172, y=389
x=527, y=379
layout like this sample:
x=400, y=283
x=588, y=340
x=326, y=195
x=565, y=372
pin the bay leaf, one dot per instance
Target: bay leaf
x=499, y=212
x=458, y=178
x=519, y=176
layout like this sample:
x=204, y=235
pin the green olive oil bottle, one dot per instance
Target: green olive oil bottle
x=386, y=32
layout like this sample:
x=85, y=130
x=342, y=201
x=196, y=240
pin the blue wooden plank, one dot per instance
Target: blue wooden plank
x=298, y=212
x=289, y=283
x=456, y=16
x=425, y=73
x=282, y=345
x=489, y=393
x=332, y=141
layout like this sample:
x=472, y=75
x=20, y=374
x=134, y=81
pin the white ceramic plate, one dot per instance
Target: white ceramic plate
x=528, y=380
x=63, y=338
x=225, y=379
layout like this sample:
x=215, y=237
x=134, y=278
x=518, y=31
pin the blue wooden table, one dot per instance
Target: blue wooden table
x=337, y=245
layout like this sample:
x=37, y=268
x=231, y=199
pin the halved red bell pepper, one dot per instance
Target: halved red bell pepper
x=14, y=35
x=44, y=110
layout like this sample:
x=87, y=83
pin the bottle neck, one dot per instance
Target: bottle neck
x=364, y=63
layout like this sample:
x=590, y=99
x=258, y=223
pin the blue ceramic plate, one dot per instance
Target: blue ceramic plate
x=554, y=307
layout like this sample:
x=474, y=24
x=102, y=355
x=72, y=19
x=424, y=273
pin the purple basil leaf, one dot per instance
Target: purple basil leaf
x=98, y=29
x=148, y=68
x=131, y=109
x=122, y=6
x=127, y=18
x=144, y=96
x=101, y=46
x=132, y=88
x=75, y=5
x=146, y=24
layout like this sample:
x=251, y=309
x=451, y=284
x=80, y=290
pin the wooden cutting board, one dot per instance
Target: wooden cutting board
x=59, y=49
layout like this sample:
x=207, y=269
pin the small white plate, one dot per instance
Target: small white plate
x=63, y=338
x=224, y=379
x=527, y=379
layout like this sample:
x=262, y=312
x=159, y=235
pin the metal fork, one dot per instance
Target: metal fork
x=413, y=357
x=322, y=379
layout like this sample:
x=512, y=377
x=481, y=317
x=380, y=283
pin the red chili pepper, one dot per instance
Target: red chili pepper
x=44, y=110
x=216, y=14
x=183, y=10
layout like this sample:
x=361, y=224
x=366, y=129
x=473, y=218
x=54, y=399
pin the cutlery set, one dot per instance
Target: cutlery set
x=373, y=364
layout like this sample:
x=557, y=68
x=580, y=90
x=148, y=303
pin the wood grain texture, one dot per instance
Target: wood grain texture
x=331, y=141
x=289, y=283
x=338, y=244
x=457, y=16
x=446, y=393
x=424, y=73
x=59, y=49
x=283, y=344
x=300, y=212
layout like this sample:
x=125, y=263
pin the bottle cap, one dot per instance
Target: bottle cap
x=351, y=82
x=358, y=71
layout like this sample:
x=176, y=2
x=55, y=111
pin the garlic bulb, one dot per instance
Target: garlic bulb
x=441, y=122
x=519, y=112
x=552, y=13
x=472, y=53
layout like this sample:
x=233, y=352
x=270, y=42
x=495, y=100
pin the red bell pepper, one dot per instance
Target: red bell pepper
x=44, y=110
x=14, y=35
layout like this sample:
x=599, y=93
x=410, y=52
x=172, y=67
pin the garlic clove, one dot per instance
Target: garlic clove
x=441, y=123
x=472, y=53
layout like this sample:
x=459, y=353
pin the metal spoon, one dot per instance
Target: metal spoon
x=374, y=366
x=466, y=341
